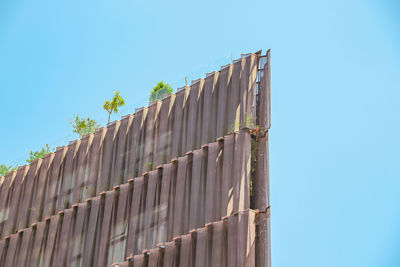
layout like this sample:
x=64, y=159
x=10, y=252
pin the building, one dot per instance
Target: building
x=183, y=182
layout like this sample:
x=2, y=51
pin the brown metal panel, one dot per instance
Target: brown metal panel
x=171, y=203
x=119, y=235
x=188, y=181
x=127, y=149
x=202, y=256
x=12, y=251
x=184, y=123
x=94, y=157
x=247, y=90
x=264, y=91
x=5, y=198
x=209, y=109
x=50, y=247
x=52, y=182
x=68, y=177
x=103, y=184
x=219, y=182
x=3, y=251
x=263, y=240
x=242, y=168
x=150, y=229
x=134, y=145
x=192, y=113
x=233, y=112
x=214, y=110
x=150, y=136
x=171, y=125
x=177, y=134
x=227, y=176
x=261, y=186
x=261, y=196
x=268, y=251
x=243, y=226
x=162, y=147
x=105, y=229
x=139, y=261
x=242, y=229
x=169, y=254
x=27, y=191
x=251, y=239
x=25, y=248
x=212, y=187
x=5, y=189
x=186, y=251
x=133, y=244
x=207, y=106
x=77, y=237
x=244, y=62
x=142, y=139
x=233, y=240
x=82, y=170
x=181, y=194
x=197, y=191
x=199, y=115
x=120, y=165
x=155, y=257
x=38, y=197
x=224, y=81
x=162, y=232
x=251, y=89
x=65, y=236
x=38, y=245
x=15, y=201
x=141, y=238
x=218, y=256
x=114, y=180
x=89, y=245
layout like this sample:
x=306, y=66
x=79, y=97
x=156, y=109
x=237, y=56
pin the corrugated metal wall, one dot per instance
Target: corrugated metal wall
x=83, y=206
x=228, y=242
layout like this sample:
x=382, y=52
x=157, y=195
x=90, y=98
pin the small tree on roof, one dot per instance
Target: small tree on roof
x=114, y=104
x=83, y=126
x=160, y=90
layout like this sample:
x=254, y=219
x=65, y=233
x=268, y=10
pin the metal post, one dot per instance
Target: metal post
x=261, y=181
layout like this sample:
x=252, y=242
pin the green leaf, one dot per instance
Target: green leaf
x=160, y=91
x=5, y=169
x=39, y=154
x=84, y=126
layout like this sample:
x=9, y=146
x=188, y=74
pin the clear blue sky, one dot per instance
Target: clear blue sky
x=335, y=142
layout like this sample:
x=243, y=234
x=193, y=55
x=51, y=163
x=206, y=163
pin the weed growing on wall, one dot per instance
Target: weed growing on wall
x=5, y=169
x=39, y=154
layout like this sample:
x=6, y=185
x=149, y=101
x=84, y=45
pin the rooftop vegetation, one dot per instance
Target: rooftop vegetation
x=83, y=126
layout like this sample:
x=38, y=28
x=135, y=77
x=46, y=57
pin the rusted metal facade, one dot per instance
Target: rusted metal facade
x=183, y=182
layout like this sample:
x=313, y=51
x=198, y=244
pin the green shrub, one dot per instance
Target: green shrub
x=39, y=154
x=4, y=169
x=83, y=126
x=160, y=90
